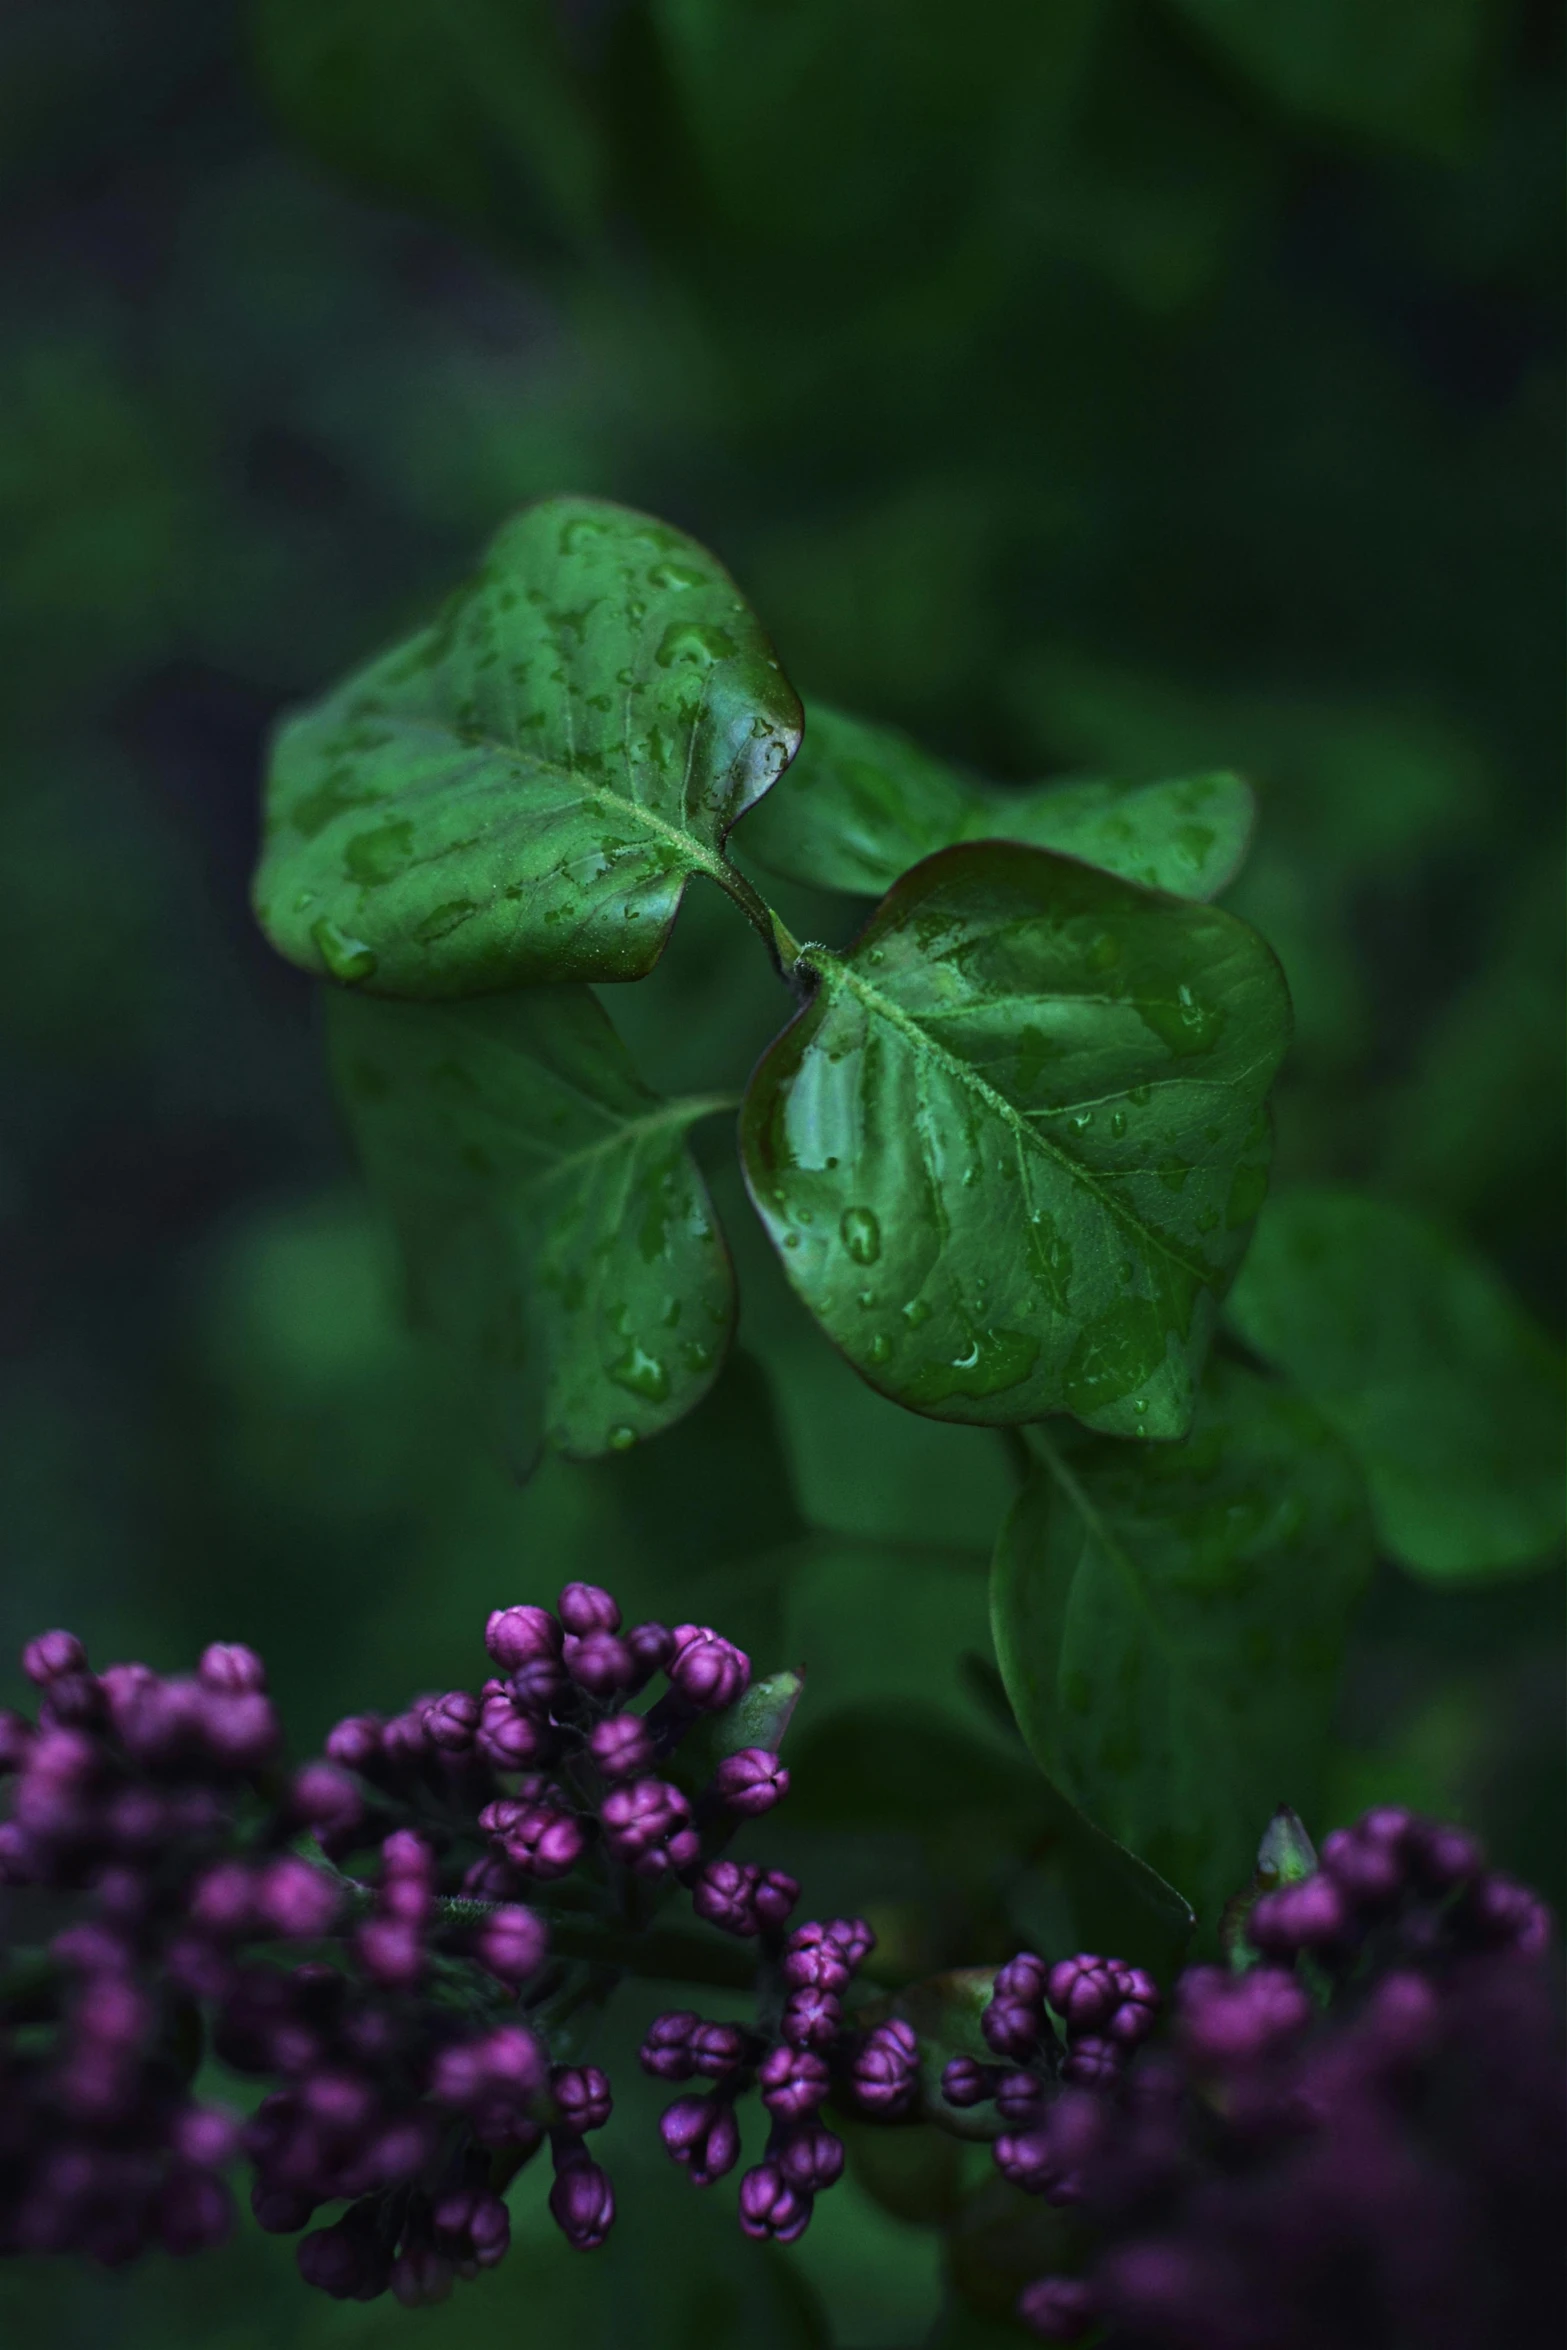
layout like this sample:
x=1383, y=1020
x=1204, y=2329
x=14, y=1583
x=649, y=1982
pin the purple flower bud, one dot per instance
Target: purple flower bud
x=725, y=1894
x=600, y=1664
x=223, y=1901
x=422, y=2276
x=716, y=2049
x=679, y=1856
x=512, y=1942
x=544, y=1842
x=295, y=1899
x=450, y=1721
x=1368, y=1871
x=509, y=1737
x=585, y=1608
x=810, y=2157
x=355, y=1742
x=886, y=2070
x=1092, y=2063
x=73, y=1701
x=1500, y=1913
x=537, y=1687
x=206, y=2135
x=1082, y=1991
x=621, y=1746
x=774, y=1897
x=811, y=2019
x=139, y=1820
x=1023, y=1979
x=348, y=2260
x=650, y=1645
x=666, y=2052
x=472, y=2224
x=709, y=1672
x=240, y=1727
x=325, y=1796
x=1310, y=1915
x=1057, y=2309
x=770, y=2207
x=814, y=1961
x=52, y=1654
x=1012, y=2029
x=965, y=2083
x=1444, y=1857
x=752, y=1781
x=283, y=2211
x=514, y=1634
x=1025, y=2159
x=582, y=2097
x=1132, y=2019
x=582, y=2202
x=229, y=1664
x=793, y=2082
x=392, y=1951
x=637, y=1817
x=1018, y=2096
x=1230, y=2020
x=704, y=2137
x=405, y=1854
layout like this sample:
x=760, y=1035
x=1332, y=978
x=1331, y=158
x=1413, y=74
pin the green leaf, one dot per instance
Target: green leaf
x=1169, y=1622
x=1441, y=1386
x=552, y=1221
x=861, y=804
x=1011, y=1151
x=521, y=792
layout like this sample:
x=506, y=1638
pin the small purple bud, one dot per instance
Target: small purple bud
x=886, y=2070
x=1092, y=2063
x=813, y=1961
x=650, y=1646
x=450, y=1721
x=1018, y=2096
x=355, y=1742
x=1012, y=2029
x=1057, y=2309
x=325, y=1796
x=1082, y=1991
x=601, y=1664
x=725, y=1895
x=582, y=2203
x=422, y=2276
x=1444, y=1857
x=73, y=1701
x=621, y=1746
x=536, y=1687
x=392, y=1951
x=195, y=2212
x=716, y=2049
x=511, y=1738
x=793, y=2082
x=679, y=1856
x=770, y=2207
x=545, y=1843
x=240, y=1727
x=51, y=1655
x=1025, y=2159
x=811, y=2158
x=1229, y=2020
x=709, y=1672
x=582, y=2095
x=641, y=1815
x=514, y=1634
x=811, y=2019
x=752, y=1781
x=223, y=1901
x=206, y=2135
x=585, y=1608
x=283, y=2211
x=1499, y=1912
x=1023, y=1979
x=1310, y=1915
x=774, y=1897
x=16, y=1736
x=965, y=2083
x=346, y=2261
x=1368, y=1872
x=1131, y=2021
x=666, y=2052
x=511, y=1942
x=229, y=1664
x=295, y=1899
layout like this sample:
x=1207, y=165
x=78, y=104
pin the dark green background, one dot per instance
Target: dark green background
x=1085, y=382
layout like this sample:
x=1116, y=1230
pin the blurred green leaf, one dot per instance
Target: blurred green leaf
x=863, y=803
x=1404, y=73
x=522, y=791
x=553, y=1225
x=1410, y=1346
x=1170, y=1622
x=1011, y=1151
x=469, y=108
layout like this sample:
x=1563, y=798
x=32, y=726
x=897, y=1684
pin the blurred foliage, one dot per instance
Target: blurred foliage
x=1140, y=386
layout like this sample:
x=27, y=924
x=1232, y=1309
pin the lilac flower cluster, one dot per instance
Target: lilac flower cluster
x=1353, y=2134
x=808, y=2046
x=401, y=2015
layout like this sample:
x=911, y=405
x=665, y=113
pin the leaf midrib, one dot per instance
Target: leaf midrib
x=919, y=1039
x=682, y=1113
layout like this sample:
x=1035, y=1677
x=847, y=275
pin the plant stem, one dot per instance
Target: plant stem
x=781, y=944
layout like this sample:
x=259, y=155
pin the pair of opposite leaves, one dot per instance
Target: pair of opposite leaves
x=1010, y=1149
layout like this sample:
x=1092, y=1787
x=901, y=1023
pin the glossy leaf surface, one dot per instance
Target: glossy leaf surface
x=521, y=792
x=862, y=803
x=1011, y=1151
x=1418, y=1355
x=1169, y=1622
x=553, y=1225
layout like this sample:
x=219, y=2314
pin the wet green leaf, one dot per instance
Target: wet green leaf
x=521, y=792
x=552, y=1222
x=861, y=804
x=1169, y=1622
x=1411, y=1347
x=1011, y=1151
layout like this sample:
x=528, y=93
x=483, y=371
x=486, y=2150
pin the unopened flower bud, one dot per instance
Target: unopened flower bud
x=770, y=2208
x=582, y=2202
x=621, y=1746
x=585, y=1608
x=1057, y=2309
x=793, y=2082
x=886, y=2070
x=582, y=2097
x=811, y=2019
x=514, y=1634
x=752, y=1781
x=511, y=1942
x=600, y=1663
x=709, y=1672
x=50, y=1655
x=229, y=1664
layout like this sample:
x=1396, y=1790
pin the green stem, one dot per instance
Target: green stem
x=781, y=944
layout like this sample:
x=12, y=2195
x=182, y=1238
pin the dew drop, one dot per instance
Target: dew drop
x=861, y=1234
x=641, y=1374
x=622, y=1438
x=880, y=1348
x=346, y=958
x=1118, y=1123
